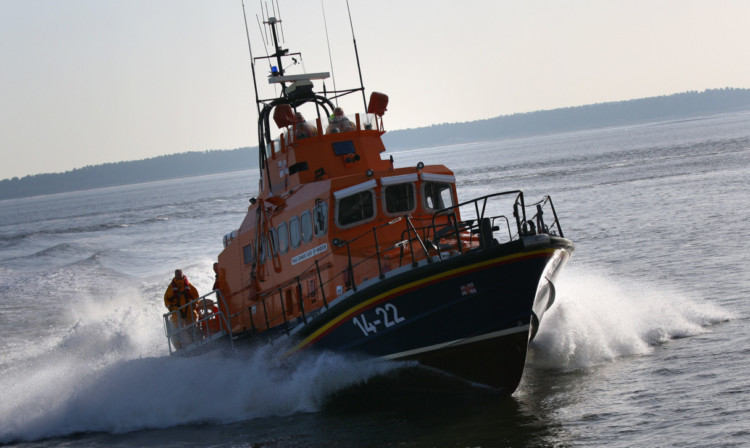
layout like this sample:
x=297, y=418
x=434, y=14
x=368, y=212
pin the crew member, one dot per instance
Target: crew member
x=303, y=128
x=177, y=299
x=338, y=122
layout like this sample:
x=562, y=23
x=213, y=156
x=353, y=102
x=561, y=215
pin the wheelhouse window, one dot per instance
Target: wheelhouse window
x=294, y=232
x=283, y=233
x=399, y=198
x=320, y=218
x=355, y=209
x=307, y=228
x=437, y=195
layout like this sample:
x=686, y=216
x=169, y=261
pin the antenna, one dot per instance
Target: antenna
x=330, y=58
x=277, y=10
x=356, y=53
x=263, y=31
x=252, y=60
x=261, y=152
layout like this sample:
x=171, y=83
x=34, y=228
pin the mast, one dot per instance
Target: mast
x=272, y=21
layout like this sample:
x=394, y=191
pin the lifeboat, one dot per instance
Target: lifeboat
x=343, y=251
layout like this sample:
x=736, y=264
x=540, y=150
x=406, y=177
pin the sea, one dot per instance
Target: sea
x=647, y=344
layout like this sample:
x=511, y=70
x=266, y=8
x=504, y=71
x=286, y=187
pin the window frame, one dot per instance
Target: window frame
x=283, y=248
x=298, y=226
x=450, y=188
x=384, y=195
x=248, y=255
x=374, y=215
x=306, y=223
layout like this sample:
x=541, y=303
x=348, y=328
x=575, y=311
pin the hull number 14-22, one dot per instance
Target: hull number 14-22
x=385, y=316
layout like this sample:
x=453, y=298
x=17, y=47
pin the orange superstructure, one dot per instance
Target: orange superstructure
x=317, y=193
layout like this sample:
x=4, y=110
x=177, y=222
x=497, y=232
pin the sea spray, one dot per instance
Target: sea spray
x=110, y=371
x=599, y=317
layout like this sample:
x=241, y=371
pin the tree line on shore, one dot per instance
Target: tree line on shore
x=196, y=163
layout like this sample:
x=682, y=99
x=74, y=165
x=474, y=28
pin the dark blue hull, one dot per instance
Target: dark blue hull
x=472, y=315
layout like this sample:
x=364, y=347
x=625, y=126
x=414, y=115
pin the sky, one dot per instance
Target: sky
x=85, y=82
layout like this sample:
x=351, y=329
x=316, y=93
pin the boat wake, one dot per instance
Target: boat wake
x=598, y=318
x=110, y=373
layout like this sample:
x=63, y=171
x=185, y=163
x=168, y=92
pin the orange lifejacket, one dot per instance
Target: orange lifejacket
x=181, y=296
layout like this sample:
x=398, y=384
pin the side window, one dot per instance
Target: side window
x=247, y=254
x=262, y=248
x=307, y=228
x=294, y=232
x=355, y=209
x=320, y=218
x=399, y=198
x=273, y=241
x=283, y=232
x=437, y=195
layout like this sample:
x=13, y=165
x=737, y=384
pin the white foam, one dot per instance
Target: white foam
x=599, y=316
x=111, y=372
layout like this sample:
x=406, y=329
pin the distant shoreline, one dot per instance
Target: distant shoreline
x=681, y=106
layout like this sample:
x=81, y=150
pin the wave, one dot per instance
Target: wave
x=110, y=372
x=162, y=392
x=599, y=317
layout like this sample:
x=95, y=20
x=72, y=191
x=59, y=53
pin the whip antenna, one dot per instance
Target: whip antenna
x=252, y=60
x=261, y=151
x=330, y=58
x=277, y=10
x=356, y=54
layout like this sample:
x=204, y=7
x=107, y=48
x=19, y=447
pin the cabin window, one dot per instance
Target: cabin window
x=399, y=198
x=247, y=254
x=355, y=209
x=283, y=233
x=307, y=228
x=294, y=232
x=320, y=218
x=437, y=195
x=262, y=248
x=273, y=241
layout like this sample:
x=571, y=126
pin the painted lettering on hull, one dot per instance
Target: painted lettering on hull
x=385, y=316
x=309, y=254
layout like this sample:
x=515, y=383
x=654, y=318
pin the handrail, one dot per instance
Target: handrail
x=444, y=226
x=189, y=335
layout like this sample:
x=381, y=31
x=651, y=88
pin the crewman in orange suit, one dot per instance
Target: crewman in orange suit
x=179, y=293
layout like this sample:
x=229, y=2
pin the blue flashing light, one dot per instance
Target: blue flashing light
x=274, y=69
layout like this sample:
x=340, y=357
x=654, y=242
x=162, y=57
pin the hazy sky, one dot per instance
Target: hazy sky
x=86, y=82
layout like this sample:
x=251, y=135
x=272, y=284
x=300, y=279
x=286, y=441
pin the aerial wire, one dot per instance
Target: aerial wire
x=356, y=54
x=330, y=58
x=252, y=60
x=261, y=152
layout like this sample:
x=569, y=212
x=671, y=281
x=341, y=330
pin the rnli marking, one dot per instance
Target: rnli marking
x=468, y=289
x=309, y=254
x=283, y=170
x=388, y=315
